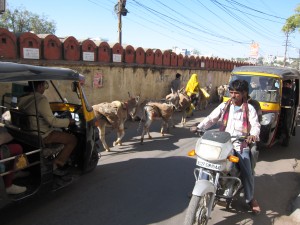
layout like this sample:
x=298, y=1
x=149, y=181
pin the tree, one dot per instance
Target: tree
x=21, y=20
x=291, y=24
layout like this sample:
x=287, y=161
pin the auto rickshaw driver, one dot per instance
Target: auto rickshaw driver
x=48, y=122
x=288, y=95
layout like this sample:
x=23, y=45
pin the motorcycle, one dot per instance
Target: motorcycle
x=217, y=176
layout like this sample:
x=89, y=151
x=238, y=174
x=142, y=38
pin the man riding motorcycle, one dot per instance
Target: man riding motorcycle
x=239, y=118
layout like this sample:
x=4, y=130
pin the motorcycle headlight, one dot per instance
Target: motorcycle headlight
x=208, y=152
x=267, y=119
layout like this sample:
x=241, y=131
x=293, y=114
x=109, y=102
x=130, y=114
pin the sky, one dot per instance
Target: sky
x=218, y=28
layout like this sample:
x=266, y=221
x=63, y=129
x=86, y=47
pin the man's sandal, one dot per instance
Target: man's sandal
x=254, y=207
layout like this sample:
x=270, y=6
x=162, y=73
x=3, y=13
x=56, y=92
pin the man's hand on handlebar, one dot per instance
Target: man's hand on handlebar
x=193, y=129
x=251, y=139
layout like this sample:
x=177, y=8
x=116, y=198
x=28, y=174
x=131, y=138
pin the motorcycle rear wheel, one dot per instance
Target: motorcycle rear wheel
x=197, y=210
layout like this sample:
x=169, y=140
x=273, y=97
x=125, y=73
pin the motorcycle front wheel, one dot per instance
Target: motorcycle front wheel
x=197, y=212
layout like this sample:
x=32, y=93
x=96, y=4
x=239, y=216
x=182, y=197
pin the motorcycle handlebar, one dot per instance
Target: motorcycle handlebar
x=200, y=132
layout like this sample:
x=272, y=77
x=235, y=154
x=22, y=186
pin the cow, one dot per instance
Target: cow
x=182, y=101
x=114, y=114
x=157, y=111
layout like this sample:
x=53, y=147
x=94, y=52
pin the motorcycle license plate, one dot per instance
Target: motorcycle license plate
x=208, y=165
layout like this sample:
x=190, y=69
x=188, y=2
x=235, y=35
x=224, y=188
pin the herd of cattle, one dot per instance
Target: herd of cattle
x=114, y=114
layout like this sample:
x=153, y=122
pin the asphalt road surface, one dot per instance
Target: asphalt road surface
x=138, y=184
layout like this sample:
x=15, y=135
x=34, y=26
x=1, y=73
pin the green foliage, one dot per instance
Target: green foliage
x=21, y=20
x=293, y=22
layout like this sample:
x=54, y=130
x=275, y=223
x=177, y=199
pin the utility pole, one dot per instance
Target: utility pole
x=120, y=22
x=120, y=10
x=2, y=6
x=286, y=43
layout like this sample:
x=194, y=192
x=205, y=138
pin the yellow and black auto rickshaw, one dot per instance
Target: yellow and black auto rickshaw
x=277, y=91
x=67, y=99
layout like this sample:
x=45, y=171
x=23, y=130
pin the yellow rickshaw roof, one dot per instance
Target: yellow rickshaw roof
x=282, y=72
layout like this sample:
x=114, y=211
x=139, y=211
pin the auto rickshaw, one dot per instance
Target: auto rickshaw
x=67, y=100
x=277, y=91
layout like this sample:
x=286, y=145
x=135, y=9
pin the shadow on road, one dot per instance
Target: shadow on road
x=273, y=199
x=145, y=191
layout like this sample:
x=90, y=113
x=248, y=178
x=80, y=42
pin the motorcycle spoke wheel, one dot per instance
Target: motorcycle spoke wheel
x=197, y=210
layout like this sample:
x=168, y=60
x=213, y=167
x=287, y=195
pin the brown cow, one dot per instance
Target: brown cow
x=114, y=114
x=182, y=101
x=157, y=111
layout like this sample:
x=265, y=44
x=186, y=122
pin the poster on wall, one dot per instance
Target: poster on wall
x=98, y=80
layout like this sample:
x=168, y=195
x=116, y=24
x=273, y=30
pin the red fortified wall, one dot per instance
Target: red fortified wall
x=50, y=47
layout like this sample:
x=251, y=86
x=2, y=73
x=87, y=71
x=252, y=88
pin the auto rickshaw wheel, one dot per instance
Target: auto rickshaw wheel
x=93, y=161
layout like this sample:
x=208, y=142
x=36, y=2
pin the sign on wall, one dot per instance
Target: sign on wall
x=88, y=56
x=117, y=58
x=98, y=80
x=31, y=53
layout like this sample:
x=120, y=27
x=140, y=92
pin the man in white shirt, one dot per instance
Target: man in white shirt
x=239, y=118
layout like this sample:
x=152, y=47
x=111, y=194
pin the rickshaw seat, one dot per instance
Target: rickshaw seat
x=20, y=119
x=19, y=129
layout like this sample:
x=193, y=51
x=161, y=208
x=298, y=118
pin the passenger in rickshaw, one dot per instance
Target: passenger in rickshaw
x=267, y=90
x=48, y=123
x=255, y=104
x=8, y=149
x=288, y=95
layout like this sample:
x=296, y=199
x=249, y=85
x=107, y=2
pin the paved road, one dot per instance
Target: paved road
x=148, y=184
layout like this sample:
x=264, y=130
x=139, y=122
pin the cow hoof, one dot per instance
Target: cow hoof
x=120, y=144
x=114, y=143
x=107, y=150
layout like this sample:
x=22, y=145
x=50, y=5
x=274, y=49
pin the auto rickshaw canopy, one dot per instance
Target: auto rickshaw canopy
x=10, y=72
x=282, y=72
